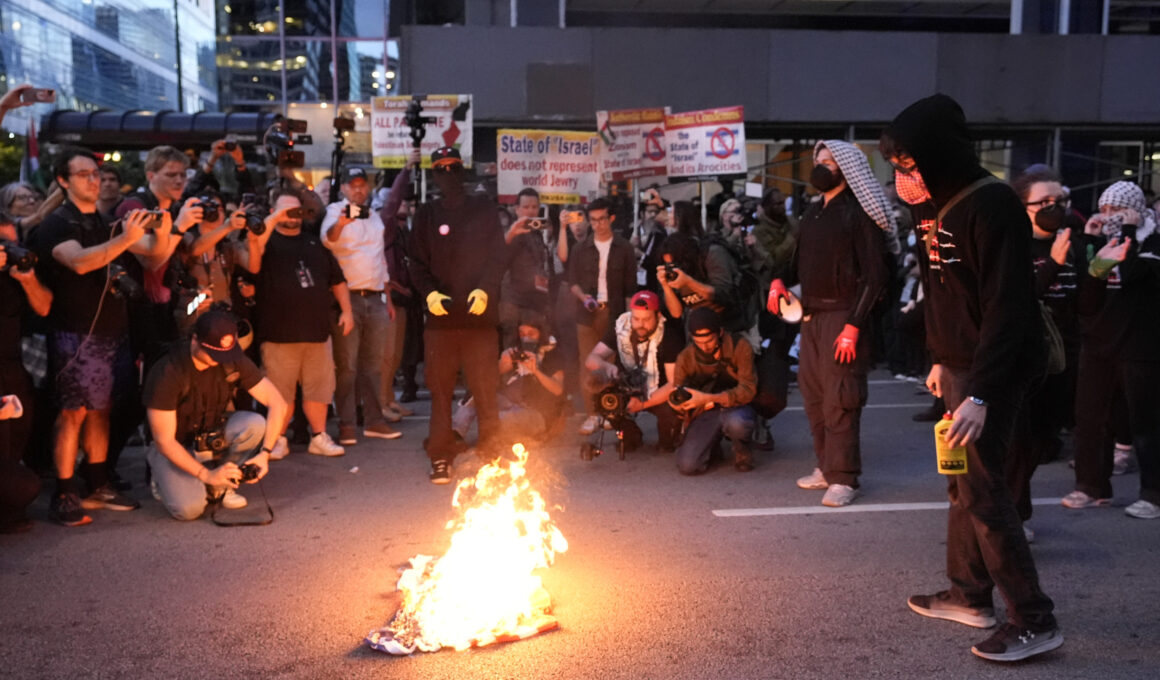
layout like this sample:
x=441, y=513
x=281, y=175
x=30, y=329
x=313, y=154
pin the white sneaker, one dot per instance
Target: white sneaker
x=322, y=445
x=281, y=449
x=1122, y=461
x=589, y=425
x=1142, y=509
x=814, y=481
x=839, y=495
x=1078, y=499
x=232, y=500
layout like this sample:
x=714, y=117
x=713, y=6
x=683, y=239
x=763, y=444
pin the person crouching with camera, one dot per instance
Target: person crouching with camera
x=715, y=383
x=200, y=450
x=531, y=397
x=642, y=341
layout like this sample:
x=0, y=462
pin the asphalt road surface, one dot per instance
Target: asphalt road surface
x=659, y=581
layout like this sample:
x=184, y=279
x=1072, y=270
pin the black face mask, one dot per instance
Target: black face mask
x=823, y=179
x=1050, y=218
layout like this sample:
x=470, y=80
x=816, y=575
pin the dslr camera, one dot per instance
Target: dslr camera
x=612, y=405
x=18, y=256
x=209, y=209
x=210, y=440
x=121, y=284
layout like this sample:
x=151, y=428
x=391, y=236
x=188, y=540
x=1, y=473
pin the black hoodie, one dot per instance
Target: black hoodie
x=982, y=314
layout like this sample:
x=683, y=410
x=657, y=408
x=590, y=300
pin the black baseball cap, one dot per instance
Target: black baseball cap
x=704, y=320
x=446, y=157
x=217, y=334
x=351, y=174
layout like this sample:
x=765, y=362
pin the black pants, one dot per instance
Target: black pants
x=1036, y=437
x=986, y=548
x=833, y=395
x=1099, y=398
x=476, y=352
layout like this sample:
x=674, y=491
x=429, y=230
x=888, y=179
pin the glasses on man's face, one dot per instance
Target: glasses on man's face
x=26, y=198
x=87, y=175
x=599, y=219
x=1036, y=206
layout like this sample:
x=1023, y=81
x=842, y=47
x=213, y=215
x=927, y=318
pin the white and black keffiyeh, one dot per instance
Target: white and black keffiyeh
x=1129, y=195
x=628, y=354
x=856, y=169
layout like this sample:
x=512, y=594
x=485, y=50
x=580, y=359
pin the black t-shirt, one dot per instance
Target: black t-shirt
x=671, y=344
x=293, y=290
x=526, y=390
x=200, y=398
x=76, y=297
x=12, y=306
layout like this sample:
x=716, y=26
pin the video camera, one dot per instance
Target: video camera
x=279, y=143
x=18, y=256
x=415, y=120
x=612, y=405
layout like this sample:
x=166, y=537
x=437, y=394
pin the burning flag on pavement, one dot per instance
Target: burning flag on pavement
x=483, y=589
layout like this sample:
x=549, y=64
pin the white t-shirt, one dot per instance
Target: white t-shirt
x=602, y=247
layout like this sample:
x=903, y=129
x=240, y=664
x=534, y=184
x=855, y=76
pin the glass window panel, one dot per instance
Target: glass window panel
x=250, y=70
x=248, y=17
x=360, y=18
x=308, y=71
x=308, y=18
x=362, y=72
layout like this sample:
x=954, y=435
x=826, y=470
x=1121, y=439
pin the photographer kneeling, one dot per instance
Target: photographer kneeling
x=531, y=397
x=195, y=446
x=716, y=383
x=642, y=340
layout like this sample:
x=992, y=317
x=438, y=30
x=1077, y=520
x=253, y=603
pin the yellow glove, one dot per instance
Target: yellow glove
x=436, y=303
x=476, y=302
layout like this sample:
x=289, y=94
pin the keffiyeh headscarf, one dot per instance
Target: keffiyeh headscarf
x=856, y=169
x=1128, y=195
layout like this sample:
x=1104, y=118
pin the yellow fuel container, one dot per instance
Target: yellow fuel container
x=951, y=461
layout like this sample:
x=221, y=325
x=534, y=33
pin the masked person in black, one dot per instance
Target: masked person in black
x=840, y=263
x=1119, y=354
x=457, y=261
x=984, y=332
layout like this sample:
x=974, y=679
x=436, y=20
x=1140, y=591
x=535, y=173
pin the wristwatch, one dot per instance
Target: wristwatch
x=977, y=401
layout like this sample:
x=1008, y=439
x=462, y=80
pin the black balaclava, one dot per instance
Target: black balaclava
x=934, y=132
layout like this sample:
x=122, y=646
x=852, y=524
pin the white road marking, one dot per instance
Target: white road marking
x=870, y=507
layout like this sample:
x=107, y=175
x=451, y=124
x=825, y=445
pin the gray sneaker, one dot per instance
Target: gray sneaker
x=839, y=495
x=814, y=481
x=939, y=606
x=1142, y=509
x=108, y=498
x=1011, y=643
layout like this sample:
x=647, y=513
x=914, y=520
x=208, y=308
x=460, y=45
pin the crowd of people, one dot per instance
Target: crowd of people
x=186, y=308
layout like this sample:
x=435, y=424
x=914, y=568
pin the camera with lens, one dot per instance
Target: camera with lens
x=121, y=284
x=670, y=272
x=249, y=472
x=210, y=440
x=279, y=143
x=612, y=401
x=209, y=209
x=18, y=256
x=415, y=120
x=255, y=216
x=679, y=396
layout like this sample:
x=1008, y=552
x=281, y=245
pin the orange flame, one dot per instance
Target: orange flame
x=483, y=588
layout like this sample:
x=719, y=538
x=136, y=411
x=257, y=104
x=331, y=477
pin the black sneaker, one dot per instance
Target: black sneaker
x=940, y=606
x=440, y=472
x=108, y=498
x=66, y=508
x=1012, y=643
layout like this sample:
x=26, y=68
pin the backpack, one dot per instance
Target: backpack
x=746, y=285
x=1055, y=355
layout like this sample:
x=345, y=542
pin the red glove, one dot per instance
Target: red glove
x=845, y=344
x=777, y=291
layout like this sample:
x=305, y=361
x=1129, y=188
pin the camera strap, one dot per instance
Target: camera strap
x=217, y=505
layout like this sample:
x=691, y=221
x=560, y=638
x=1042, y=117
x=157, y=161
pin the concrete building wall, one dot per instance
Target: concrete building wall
x=785, y=76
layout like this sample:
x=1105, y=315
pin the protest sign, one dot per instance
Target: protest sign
x=704, y=145
x=391, y=137
x=633, y=143
x=563, y=166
